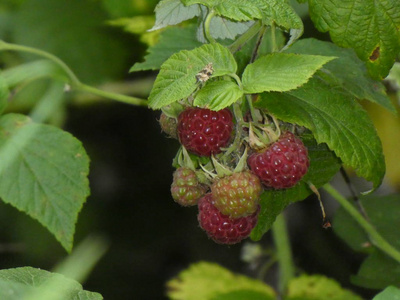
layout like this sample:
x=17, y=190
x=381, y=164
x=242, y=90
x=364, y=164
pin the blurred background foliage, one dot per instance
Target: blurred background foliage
x=150, y=238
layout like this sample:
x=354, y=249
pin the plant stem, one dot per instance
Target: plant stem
x=283, y=252
x=110, y=95
x=375, y=237
x=207, y=23
x=74, y=82
x=258, y=44
x=274, y=48
x=240, y=41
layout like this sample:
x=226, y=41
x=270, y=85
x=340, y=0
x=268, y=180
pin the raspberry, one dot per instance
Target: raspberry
x=168, y=125
x=282, y=164
x=185, y=188
x=203, y=131
x=221, y=228
x=237, y=195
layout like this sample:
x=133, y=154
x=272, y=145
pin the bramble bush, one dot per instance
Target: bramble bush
x=265, y=112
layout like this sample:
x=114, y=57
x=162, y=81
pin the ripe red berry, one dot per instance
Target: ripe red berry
x=203, y=131
x=237, y=195
x=185, y=188
x=282, y=164
x=221, y=228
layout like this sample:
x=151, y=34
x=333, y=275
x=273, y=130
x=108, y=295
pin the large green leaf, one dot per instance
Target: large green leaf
x=30, y=284
x=43, y=173
x=389, y=293
x=209, y=281
x=323, y=165
x=177, y=77
x=335, y=119
x=347, y=71
x=281, y=72
x=370, y=27
x=65, y=29
x=218, y=95
x=172, y=12
x=378, y=270
x=171, y=40
x=239, y=10
x=317, y=287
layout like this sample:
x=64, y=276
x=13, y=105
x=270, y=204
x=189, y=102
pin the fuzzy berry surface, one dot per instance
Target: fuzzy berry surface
x=237, y=195
x=203, y=131
x=168, y=125
x=186, y=189
x=282, y=164
x=221, y=228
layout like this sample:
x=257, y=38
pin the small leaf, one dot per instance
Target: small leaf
x=171, y=40
x=335, y=119
x=218, y=94
x=44, y=174
x=239, y=10
x=177, y=78
x=172, y=12
x=317, y=287
x=4, y=93
x=323, y=165
x=281, y=72
x=347, y=71
x=206, y=281
x=370, y=27
x=29, y=283
x=389, y=293
x=208, y=3
x=281, y=13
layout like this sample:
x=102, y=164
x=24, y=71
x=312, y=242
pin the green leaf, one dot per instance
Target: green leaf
x=389, y=293
x=177, y=78
x=346, y=71
x=335, y=119
x=281, y=13
x=370, y=27
x=217, y=95
x=239, y=10
x=378, y=270
x=171, y=40
x=4, y=93
x=317, y=287
x=172, y=12
x=29, y=283
x=64, y=29
x=44, y=174
x=206, y=281
x=208, y=3
x=281, y=72
x=323, y=165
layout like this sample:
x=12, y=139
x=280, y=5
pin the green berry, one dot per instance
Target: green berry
x=186, y=189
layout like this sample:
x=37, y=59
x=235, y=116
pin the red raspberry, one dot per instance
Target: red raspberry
x=185, y=188
x=221, y=228
x=237, y=195
x=203, y=131
x=282, y=164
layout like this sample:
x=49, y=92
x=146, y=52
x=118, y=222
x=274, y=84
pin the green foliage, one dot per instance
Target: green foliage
x=177, y=78
x=335, y=119
x=4, y=93
x=171, y=40
x=172, y=12
x=30, y=284
x=378, y=270
x=317, y=287
x=71, y=35
x=323, y=165
x=209, y=281
x=217, y=95
x=370, y=27
x=346, y=71
x=390, y=293
x=45, y=174
x=281, y=72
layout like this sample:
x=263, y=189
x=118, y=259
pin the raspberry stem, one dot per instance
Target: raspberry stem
x=207, y=23
x=283, y=252
x=375, y=237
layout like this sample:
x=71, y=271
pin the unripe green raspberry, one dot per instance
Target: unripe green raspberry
x=237, y=195
x=186, y=189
